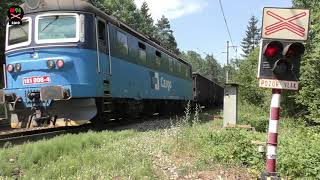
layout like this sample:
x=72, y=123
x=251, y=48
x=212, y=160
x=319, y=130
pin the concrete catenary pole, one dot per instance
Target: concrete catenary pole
x=227, y=71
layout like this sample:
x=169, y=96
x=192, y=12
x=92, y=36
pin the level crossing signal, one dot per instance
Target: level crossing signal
x=280, y=60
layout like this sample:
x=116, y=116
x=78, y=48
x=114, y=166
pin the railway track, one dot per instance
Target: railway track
x=20, y=136
x=9, y=137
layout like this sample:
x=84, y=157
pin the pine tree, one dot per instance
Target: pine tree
x=252, y=37
x=213, y=70
x=165, y=34
x=148, y=26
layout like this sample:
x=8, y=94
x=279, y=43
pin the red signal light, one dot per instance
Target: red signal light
x=60, y=63
x=294, y=50
x=273, y=49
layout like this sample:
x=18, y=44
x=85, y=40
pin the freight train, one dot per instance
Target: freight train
x=206, y=92
x=69, y=63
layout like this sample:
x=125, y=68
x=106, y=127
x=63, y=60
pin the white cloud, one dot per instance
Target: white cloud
x=173, y=9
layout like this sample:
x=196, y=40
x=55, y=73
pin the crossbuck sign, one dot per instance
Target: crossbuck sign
x=281, y=23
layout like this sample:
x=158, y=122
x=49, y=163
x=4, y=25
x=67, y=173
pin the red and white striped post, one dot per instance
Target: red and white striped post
x=273, y=132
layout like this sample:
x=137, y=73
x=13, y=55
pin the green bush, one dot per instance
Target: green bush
x=231, y=147
x=257, y=117
x=299, y=152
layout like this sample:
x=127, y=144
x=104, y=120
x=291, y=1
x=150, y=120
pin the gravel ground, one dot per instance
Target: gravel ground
x=170, y=167
x=151, y=124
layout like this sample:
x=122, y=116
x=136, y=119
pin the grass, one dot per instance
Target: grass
x=195, y=147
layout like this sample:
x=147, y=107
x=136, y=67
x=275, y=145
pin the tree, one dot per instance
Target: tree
x=147, y=26
x=140, y=20
x=207, y=67
x=246, y=78
x=165, y=34
x=194, y=59
x=309, y=95
x=251, y=40
x=213, y=70
x=126, y=11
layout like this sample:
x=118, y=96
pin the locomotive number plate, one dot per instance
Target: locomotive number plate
x=36, y=80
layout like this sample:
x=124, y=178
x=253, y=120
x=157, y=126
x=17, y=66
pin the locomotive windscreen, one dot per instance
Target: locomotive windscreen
x=18, y=34
x=56, y=27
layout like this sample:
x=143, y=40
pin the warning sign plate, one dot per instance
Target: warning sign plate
x=278, y=84
x=285, y=23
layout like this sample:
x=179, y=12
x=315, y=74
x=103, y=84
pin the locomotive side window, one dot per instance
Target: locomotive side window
x=122, y=42
x=19, y=35
x=102, y=33
x=171, y=64
x=158, y=58
x=55, y=28
x=142, y=53
x=165, y=63
x=179, y=67
x=187, y=70
x=176, y=67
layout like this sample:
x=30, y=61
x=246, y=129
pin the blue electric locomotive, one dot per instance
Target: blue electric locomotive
x=69, y=63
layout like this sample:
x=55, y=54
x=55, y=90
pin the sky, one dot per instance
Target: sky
x=199, y=25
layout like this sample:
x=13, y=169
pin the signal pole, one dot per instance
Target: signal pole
x=279, y=67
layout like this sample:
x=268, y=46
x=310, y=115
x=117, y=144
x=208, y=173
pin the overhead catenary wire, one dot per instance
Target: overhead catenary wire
x=225, y=21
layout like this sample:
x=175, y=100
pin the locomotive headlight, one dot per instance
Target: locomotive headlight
x=10, y=68
x=60, y=63
x=50, y=64
x=18, y=67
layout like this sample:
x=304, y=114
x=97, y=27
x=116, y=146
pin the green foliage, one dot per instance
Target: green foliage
x=147, y=26
x=165, y=34
x=213, y=70
x=126, y=11
x=202, y=146
x=247, y=79
x=141, y=20
x=251, y=40
x=299, y=152
x=309, y=95
x=85, y=156
x=258, y=119
x=230, y=147
x=208, y=66
x=299, y=147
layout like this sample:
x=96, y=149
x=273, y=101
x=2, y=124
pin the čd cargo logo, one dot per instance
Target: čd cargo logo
x=15, y=15
x=157, y=82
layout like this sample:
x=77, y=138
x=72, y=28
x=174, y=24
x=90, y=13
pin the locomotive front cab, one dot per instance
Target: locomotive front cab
x=51, y=71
